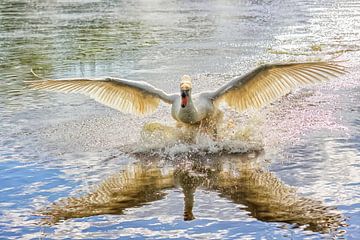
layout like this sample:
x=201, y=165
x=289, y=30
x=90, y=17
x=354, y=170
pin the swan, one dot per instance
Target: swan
x=254, y=89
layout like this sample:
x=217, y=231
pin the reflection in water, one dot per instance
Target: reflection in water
x=235, y=177
x=132, y=188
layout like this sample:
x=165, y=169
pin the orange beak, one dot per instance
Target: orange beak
x=184, y=98
x=184, y=101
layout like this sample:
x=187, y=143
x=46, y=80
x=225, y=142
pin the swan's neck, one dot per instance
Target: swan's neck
x=190, y=104
x=188, y=114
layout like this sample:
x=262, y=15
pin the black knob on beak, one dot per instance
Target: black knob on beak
x=183, y=94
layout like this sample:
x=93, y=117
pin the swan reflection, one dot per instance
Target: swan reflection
x=238, y=178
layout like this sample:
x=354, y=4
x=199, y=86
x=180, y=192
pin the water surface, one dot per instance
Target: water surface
x=65, y=166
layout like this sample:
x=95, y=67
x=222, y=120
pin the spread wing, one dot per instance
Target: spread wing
x=268, y=82
x=127, y=96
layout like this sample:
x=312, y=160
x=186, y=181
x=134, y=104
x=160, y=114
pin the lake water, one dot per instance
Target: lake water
x=67, y=164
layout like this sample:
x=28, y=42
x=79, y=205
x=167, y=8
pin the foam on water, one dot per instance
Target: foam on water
x=171, y=141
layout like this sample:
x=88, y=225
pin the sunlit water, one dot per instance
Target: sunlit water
x=72, y=168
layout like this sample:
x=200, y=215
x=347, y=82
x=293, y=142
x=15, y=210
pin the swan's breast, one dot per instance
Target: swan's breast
x=187, y=114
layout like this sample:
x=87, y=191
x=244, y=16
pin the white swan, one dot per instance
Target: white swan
x=253, y=90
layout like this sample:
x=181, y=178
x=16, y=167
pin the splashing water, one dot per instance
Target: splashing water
x=170, y=141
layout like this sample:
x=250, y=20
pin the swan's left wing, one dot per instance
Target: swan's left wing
x=268, y=82
x=127, y=96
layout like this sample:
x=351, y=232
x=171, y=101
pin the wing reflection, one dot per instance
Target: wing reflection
x=269, y=199
x=135, y=187
x=239, y=178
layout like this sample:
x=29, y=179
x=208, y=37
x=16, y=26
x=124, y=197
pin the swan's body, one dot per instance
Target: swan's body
x=255, y=89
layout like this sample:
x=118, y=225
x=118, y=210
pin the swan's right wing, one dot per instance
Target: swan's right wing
x=127, y=96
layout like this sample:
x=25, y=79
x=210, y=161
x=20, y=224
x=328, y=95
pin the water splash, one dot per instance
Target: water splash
x=170, y=141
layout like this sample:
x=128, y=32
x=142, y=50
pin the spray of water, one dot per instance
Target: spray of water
x=169, y=141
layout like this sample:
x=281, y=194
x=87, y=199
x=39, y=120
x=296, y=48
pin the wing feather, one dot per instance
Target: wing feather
x=271, y=81
x=124, y=95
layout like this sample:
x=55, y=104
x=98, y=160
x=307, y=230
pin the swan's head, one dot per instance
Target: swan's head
x=185, y=90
